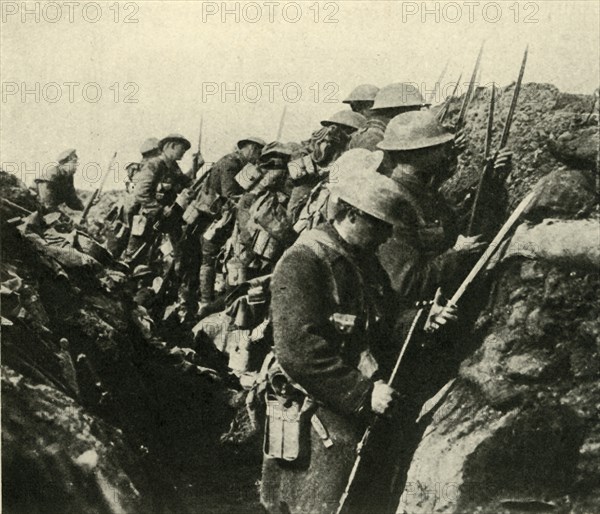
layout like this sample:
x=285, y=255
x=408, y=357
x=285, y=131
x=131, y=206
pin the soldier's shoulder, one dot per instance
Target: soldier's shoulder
x=152, y=165
x=228, y=160
x=53, y=173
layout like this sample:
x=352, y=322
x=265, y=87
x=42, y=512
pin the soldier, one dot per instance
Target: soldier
x=331, y=312
x=57, y=186
x=262, y=230
x=223, y=191
x=149, y=149
x=156, y=187
x=361, y=99
x=326, y=145
x=390, y=101
x=426, y=251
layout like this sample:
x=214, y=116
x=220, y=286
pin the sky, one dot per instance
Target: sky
x=103, y=76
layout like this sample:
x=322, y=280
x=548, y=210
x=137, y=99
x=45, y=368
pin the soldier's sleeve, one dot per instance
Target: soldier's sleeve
x=71, y=199
x=305, y=340
x=145, y=185
x=414, y=274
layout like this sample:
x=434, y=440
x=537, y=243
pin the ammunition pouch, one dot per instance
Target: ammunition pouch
x=248, y=176
x=287, y=428
x=265, y=245
x=302, y=167
x=208, y=201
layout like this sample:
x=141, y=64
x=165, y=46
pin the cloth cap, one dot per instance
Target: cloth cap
x=66, y=156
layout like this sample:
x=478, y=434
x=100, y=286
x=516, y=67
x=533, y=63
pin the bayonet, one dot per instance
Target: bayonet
x=463, y=110
x=513, y=103
x=444, y=110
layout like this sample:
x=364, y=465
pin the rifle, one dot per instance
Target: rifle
x=489, y=162
x=281, y=121
x=97, y=191
x=438, y=83
x=196, y=164
x=343, y=507
x=463, y=110
x=444, y=110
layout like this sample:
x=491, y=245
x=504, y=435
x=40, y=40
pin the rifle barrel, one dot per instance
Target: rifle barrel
x=487, y=164
x=513, y=103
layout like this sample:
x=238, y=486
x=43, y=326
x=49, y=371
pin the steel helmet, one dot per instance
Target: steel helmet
x=413, y=130
x=150, y=145
x=251, y=139
x=347, y=118
x=354, y=178
x=176, y=138
x=362, y=93
x=400, y=94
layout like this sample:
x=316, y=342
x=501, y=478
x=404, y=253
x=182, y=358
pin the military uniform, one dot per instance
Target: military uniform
x=332, y=309
x=156, y=186
x=370, y=135
x=419, y=257
x=57, y=186
x=226, y=190
x=318, y=277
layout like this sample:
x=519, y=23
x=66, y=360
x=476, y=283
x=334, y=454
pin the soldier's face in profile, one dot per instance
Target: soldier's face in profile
x=71, y=165
x=174, y=150
x=369, y=232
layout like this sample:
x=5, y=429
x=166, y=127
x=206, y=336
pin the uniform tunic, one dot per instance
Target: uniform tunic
x=57, y=187
x=325, y=362
x=222, y=175
x=419, y=257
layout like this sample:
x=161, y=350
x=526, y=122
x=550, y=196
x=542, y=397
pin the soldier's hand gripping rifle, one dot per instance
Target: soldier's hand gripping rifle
x=490, y=161
x=415, y=327
x=96, y=194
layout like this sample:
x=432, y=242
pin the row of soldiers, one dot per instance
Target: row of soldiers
x=351, y=228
